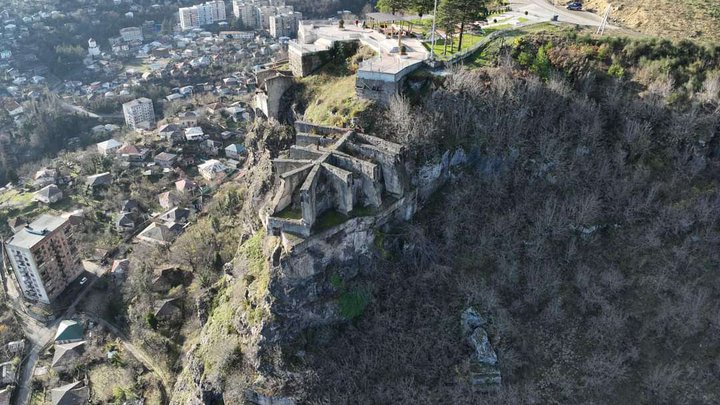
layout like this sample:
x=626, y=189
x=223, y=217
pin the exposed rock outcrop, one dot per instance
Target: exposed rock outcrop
x=485, y=371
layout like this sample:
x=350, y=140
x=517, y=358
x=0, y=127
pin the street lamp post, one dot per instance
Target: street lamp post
x=432, y=47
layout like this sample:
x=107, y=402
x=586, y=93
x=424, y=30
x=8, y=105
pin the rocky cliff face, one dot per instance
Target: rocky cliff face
x=277, y=290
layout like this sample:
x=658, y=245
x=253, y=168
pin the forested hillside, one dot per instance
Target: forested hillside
x=585, y=230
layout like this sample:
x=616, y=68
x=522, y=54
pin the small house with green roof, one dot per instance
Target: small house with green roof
x=69, y=331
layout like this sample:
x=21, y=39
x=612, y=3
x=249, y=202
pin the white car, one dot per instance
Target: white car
x=83, y=280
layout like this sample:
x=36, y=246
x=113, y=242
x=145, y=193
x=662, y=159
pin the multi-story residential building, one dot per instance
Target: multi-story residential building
x=285, y=25
x=202, y=14
x=44, y=257
x=188, y=18
x=139, y=114
x=131, y=34
x=246, y=12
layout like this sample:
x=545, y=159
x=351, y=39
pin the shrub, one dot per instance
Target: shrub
x=353, y=303
x=151, y=320
x=525, y=59
x=616, y=70
x=541, y=65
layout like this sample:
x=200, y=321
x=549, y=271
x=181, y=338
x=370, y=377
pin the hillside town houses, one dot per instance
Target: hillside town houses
x=190, y=134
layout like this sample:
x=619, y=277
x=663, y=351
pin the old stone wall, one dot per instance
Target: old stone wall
x=301, y=287
x=269, y=98
x=308, y=128
x=304, y=139
x=303, y=65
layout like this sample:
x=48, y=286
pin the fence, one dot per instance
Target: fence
x=461, y=56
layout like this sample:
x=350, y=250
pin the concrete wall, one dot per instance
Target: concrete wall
x=262, y=76
x=303, y=65
x=381, y=87
x=376, y=90
x=282, y=166
x=344, y=241
x=268, y=100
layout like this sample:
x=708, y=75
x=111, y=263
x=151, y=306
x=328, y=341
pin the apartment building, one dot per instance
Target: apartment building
x=139, y=114
x=131, y=34
x=246, y=12
x=256, y=14
x=44, y=257
x=285, y=25
x=202, y=14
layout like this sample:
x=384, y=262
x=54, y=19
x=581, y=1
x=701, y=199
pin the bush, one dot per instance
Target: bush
x=353, y=303
x=151, y=320
x=616, y=70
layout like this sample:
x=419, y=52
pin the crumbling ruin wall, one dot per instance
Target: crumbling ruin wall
x=303, y=65
x=269, y=98
x=303, y=139
x=388, y=162
x=341, y=182
x=308, y=193
x=308, y=128
x=289, y=182
x=304, y=296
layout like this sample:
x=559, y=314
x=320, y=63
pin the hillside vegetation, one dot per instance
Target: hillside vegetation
x=585, y=230
x=666, y=18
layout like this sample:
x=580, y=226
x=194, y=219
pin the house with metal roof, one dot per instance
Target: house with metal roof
x=69, y=331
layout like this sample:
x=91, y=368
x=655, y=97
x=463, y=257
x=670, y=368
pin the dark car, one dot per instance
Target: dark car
x=574, y=6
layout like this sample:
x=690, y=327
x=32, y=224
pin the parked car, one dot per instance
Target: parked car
x=575, y=6
x=83, y=280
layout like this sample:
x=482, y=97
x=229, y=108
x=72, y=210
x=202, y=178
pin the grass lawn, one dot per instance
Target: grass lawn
x=112, y=384
x=469, y=40
x=15, y=198
x=329, y=219
x=289, y=213
x=332, y=100
x=138, y=65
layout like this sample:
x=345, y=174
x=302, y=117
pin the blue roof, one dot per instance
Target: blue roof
x=235, y=147
x=69, y=330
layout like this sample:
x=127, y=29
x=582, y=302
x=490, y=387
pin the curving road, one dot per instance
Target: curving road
x=544, y=10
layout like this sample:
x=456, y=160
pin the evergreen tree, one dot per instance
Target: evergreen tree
x=461, y=12
x=393, y=6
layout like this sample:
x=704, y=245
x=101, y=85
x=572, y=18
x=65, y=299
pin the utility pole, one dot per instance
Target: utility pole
x=603, y=24
x=432, y=48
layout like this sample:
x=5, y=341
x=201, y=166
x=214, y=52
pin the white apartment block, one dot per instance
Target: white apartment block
x=44, y=257
x=285, y=25
x=202, y=14
x=131, y=34
x=246, y=13
x=139, y=114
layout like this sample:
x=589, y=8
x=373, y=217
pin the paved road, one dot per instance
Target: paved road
x=39, y=334
x=543, y=10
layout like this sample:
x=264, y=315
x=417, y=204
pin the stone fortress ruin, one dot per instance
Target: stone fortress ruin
x=332, y=174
